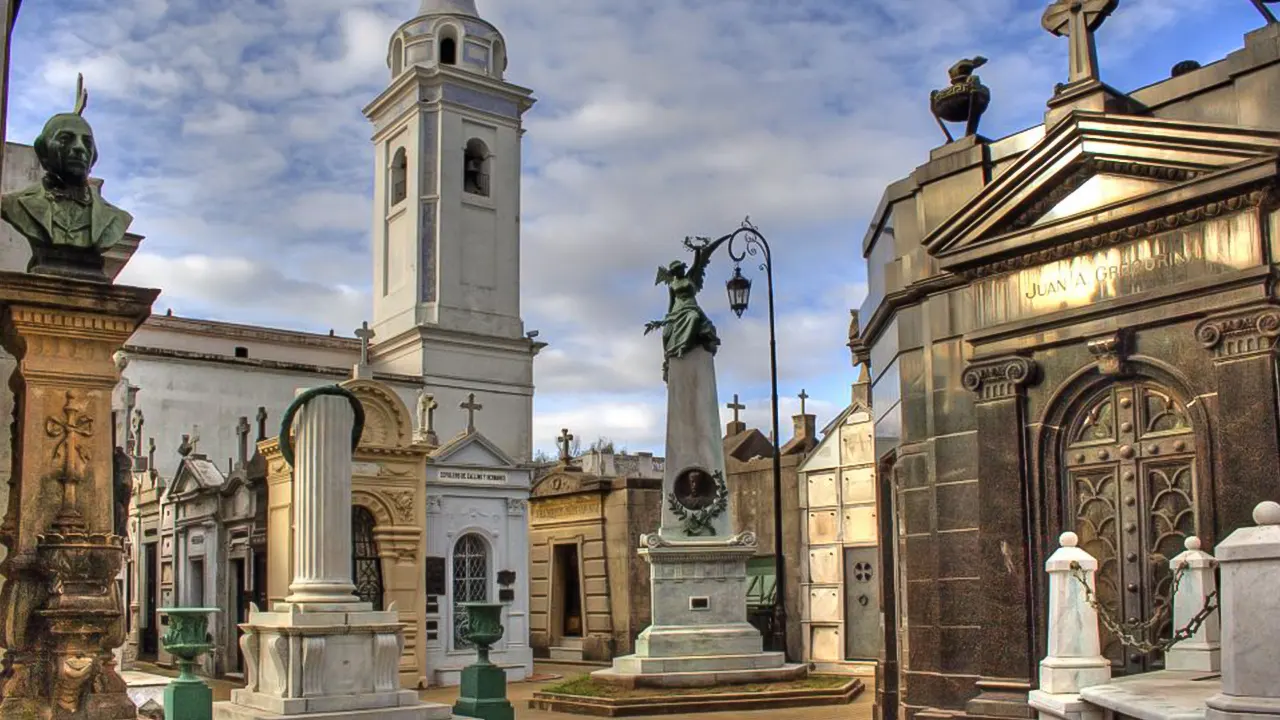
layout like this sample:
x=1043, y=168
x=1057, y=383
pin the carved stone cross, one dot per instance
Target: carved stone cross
x=735, y=406
x=803, y=396
x=262, y=422
x=471, y=406
x=67, y=431
x=427, y=412
x=195, y=438
x=365, y=334
x=1077, y=20
x=563, y=441
x=242, y=433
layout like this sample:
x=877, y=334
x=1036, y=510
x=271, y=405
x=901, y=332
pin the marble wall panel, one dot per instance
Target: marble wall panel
x=822, y=490
x=824, y=565
x=823, y=527
x=824, y=604
x=824, y=644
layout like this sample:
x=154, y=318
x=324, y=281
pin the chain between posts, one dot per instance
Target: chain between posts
x=1128, y=633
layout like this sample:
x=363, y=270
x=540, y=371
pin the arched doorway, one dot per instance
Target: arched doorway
x=1130, y=486
x=366, y=563
x=470, y=581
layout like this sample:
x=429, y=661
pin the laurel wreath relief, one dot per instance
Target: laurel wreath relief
x=697, y=523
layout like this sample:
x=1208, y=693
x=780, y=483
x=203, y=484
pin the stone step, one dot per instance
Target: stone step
x=571, y=642
x=566, y=653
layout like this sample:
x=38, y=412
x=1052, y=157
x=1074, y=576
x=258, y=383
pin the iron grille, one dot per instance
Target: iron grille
x=470, y=582
x=366, y=564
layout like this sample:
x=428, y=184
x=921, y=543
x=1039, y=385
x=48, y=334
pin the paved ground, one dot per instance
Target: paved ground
x=519, y=693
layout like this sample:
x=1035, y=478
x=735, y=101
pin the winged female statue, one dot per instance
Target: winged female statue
x=686, y=326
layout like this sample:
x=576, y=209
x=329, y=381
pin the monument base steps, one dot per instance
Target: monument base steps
x=693, y=672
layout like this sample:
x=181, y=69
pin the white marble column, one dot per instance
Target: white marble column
x=1202, y=651
x=322, y=503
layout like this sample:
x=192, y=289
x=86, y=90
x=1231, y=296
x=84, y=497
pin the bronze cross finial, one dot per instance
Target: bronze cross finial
x=262, y=422
x=365, y=335
x=471, y=406
x=563, y=441
x=803, y=396
x=735, y=406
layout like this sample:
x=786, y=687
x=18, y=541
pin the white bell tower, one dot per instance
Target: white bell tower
x=446, y=212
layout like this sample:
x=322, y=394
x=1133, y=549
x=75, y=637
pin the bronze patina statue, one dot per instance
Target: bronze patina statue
x=964, y=100
x=64, y=217
x=685, y=325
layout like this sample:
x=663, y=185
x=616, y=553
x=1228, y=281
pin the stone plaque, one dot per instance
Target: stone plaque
x=825, y=643
x=823, y=527
x=433, y=569
x=824, y=565
x=1213, y=247
x=566, y=508
x=822, y=490
x=859, y=485
x=857, y=445
x=860, y=524
x=473, y=476
x=824, y=604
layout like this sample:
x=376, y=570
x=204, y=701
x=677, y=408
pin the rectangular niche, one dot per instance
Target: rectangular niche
x=700, y=603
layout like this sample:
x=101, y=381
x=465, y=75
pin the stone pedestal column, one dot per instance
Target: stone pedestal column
x=1202, y=651
x=322, y=503
x=1075, y=658
x=1249, y=560
x=61, y=614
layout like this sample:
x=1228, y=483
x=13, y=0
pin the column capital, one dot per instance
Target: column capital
x=1112, y=351
x=1242, y=333
x=999, y=378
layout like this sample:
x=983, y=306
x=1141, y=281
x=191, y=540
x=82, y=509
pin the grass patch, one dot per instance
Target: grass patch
x=586, y=686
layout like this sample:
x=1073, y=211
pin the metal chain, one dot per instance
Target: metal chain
x=1127, y=633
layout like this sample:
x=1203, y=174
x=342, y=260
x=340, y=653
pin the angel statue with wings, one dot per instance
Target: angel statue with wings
x=686, y=326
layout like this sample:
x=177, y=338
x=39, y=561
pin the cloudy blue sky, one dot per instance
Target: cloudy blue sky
x=232, y=130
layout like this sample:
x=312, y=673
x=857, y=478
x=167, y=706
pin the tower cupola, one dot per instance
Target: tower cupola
x=448, y=33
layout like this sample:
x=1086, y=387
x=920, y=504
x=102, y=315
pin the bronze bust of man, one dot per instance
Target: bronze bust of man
x=64, y=217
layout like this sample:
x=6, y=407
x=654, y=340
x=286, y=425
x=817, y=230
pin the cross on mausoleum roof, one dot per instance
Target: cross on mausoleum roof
x=1077, y=20
x=471, y=406
x=803, y=396
x=735, y=406
x=365, y=334
x=563, y=441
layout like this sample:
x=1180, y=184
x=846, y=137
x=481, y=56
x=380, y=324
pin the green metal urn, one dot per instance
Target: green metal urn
x=187, y=696
x=483, y=693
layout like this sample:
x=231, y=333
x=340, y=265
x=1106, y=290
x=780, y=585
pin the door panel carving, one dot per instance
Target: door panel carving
x=1131, y=488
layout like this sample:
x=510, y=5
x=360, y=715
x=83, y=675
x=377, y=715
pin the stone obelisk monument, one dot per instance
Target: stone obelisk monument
x=322, y=652
x=61, y=616
x=699, y=634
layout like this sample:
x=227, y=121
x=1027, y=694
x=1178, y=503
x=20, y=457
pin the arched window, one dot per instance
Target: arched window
x=366, y=564
x=397, y=57
x=399, y=176
x=470, y=581
x=475, y=169
x=448, y=51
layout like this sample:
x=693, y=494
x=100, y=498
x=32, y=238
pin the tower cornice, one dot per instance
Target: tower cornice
x=428, y=78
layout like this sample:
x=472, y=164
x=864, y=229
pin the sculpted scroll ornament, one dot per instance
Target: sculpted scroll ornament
x=999, y=379
x=403, y=503
x=1246, y=333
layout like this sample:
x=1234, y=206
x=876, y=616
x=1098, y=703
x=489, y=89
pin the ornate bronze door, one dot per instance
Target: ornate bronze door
x=1131, y=487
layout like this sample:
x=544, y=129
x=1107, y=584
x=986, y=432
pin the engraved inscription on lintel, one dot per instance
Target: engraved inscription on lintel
x=1214, y=247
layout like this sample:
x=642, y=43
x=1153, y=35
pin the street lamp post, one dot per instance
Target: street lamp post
x=739, y=290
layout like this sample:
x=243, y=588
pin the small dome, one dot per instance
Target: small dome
x=449, y=7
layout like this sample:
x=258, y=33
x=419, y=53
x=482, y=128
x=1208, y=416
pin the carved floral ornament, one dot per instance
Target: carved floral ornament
x=1248, y=332
x=1135, y=231
x=1000, y=378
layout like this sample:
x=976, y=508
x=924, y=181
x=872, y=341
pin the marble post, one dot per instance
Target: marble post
x=1249, y=561
x=1074, y=660
x=1202, y=651
x=322, y=507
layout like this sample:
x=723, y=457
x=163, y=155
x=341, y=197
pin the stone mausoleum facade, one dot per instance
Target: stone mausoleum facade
x=1071, y=328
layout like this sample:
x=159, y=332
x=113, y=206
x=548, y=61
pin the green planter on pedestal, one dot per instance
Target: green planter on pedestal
x=484, y=685
x=187, y=697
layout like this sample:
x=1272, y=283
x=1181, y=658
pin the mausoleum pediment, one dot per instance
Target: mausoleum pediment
x=471, y=448
x=1097, y=172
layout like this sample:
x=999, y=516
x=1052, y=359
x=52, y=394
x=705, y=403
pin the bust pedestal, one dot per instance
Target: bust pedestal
x=61, y=615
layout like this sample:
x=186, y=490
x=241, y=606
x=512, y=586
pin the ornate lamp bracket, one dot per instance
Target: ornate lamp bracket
x=1112, y=352
x=1000, y=378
